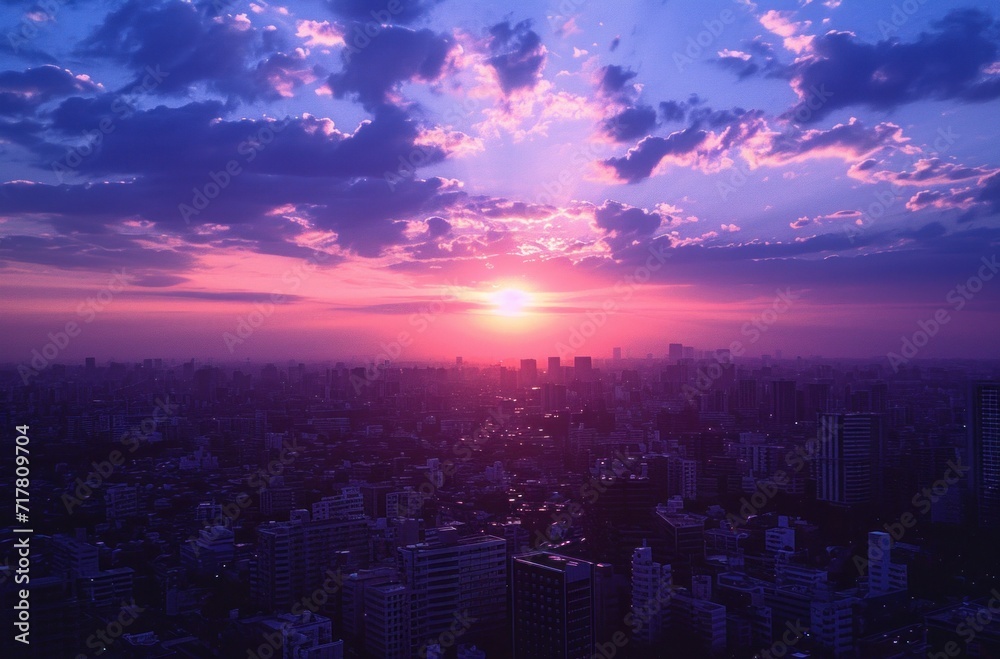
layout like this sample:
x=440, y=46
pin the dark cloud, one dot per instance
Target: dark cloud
x=382, y=12
x=756, y=57
x=673, y=111
x=22, y=92
x=395, y=55
x=691, y=145
x=517, y=55
x=623, y=225
x=182, y=47
x=177, y=136
x=946, y=63
x=630, y=123
x=613, y=80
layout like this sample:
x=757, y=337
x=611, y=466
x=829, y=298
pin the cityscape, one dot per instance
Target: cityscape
x=582, y=508
x=543, y=329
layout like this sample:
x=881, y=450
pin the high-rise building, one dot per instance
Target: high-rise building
x=849, y=458
x=616, y=354
x=451, y=579
x=652, y=588
x=554, y=372
x=529, y=372
x=783, y=402
x=554, y=611
x=675, y=352
x=293, y=556
x=984, y=437
x=583, y=368
x=884, y=576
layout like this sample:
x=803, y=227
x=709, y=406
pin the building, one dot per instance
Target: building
x=387, y=620
x=554, y=609
x=529, y=372
x=451, y=576
x=884, y=576
x=849, y=458
x=652, y=587
x=984, y=439
x=293, y=556
x=349, y=504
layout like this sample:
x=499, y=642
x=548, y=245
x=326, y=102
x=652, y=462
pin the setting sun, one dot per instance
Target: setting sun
x=510, y=302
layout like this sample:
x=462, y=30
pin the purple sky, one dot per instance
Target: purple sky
x=488, y=179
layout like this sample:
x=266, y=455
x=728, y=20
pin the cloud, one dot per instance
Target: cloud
x=402, y=12
x=185, y=48
x=517, y=55
x=839, y=216
x=849, y=142
x=394, y=56
x=947, y=63
x=704, y=145
x=22, y=92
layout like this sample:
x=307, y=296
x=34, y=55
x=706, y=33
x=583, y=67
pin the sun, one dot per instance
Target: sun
x=510, y=302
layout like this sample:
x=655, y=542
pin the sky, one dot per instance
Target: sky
x=371, y=179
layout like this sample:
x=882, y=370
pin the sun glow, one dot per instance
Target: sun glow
x=510, y=302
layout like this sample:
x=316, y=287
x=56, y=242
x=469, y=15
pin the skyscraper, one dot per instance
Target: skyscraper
x=984, y=437
x=529, y=373
x=554, y=612
x=850, y=458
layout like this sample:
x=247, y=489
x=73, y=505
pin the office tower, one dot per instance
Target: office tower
x=452, y=579
x=849, y=458
x=583, y=368
x=783, y=402
x=387, y=621
x=529, y=373
x=884, y=576
x=675, y=352
x=984, y=437
x=554, y=608
x=652, y=588
x=294, y=556
x=121, y=502
x=616, y=354
x=554, y=372
x=553, y=397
